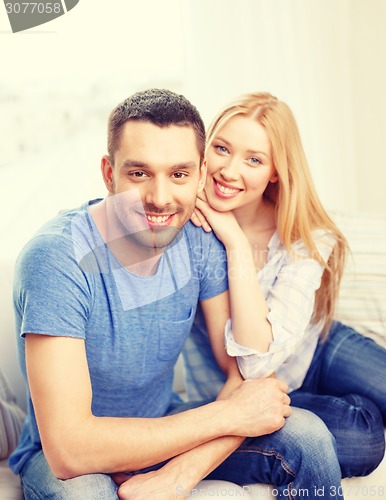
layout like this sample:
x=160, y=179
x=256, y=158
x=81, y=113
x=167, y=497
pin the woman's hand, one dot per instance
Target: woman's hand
x=199, y=220
x=224, y=224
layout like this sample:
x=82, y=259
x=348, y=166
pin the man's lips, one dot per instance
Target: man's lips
x=158, y=220
x=223, y=190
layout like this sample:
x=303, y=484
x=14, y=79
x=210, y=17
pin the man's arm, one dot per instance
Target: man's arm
x=274, y=402
x=76, y=442
x=180, y=475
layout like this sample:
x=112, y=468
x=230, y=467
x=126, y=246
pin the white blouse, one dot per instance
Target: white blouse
x=288, y=282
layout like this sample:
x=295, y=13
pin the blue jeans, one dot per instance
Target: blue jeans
x=39, y=483
x=346, y=387
x=300, y=460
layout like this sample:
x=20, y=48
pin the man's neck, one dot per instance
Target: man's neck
x=139, y=260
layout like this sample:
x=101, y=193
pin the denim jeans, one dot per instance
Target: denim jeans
x=346, y=387
x=300, y=460
x=39, y=483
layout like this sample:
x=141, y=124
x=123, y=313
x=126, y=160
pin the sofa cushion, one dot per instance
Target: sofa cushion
x=11, y=419
x=362, y=296
x=10, y=488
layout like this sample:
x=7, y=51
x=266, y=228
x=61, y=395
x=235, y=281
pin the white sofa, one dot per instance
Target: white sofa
x=362, y=303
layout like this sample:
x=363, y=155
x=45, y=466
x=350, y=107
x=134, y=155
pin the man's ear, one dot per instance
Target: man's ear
x=107, y=170
x=203, y=173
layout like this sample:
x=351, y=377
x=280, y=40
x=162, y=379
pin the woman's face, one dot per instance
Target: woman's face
x=240, y=165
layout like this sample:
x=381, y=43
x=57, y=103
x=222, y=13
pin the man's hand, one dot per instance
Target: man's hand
x=259, y=407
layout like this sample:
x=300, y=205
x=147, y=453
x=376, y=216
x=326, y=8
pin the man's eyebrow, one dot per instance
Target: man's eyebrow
x=134, y=163
x=190, y=165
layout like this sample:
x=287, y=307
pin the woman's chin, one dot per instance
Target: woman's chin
x=221, y=205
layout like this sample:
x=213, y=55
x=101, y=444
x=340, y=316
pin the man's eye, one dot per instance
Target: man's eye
x=137, y=174
x=179, y=175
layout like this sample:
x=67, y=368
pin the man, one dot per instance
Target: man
x=105, y=296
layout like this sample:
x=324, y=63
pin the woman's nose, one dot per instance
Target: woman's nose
x=231, y=171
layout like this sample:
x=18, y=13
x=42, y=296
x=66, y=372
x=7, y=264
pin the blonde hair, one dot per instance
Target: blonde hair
x=298, y=208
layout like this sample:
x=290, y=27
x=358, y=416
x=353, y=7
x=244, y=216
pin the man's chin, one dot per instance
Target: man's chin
x=157, y=238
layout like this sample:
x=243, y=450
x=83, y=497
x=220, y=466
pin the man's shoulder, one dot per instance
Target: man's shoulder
x=55, y=238
x=198, y=238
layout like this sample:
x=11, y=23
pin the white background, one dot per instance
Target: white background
x=58, y=82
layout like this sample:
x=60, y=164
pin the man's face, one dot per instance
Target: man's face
x=154, y=182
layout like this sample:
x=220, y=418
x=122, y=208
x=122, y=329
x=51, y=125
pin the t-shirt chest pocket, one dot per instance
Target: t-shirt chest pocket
x=172, y=335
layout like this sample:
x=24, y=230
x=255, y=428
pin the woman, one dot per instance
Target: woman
x=259, y=193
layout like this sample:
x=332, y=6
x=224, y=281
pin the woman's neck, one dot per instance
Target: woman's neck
x=258, y=225
x=260, y=218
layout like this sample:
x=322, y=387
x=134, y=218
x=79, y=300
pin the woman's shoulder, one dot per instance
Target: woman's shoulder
x=323, y=239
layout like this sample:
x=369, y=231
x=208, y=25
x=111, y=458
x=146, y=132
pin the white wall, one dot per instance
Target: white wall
x=325, y=58
x=368, y=79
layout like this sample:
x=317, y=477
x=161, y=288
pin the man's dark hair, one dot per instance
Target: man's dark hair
x=159, y=107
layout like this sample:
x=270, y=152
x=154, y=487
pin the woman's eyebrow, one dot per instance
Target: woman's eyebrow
x=251, y=152
x=219, y=138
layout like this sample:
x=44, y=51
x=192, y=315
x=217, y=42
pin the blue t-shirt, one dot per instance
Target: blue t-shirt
x=67, y=283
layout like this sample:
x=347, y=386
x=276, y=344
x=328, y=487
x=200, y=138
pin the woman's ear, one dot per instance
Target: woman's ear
x=274, y=178
x=107, y=170
x=202, y=179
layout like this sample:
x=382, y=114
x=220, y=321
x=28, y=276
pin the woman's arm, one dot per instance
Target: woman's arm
x=263, y=334
x=292, y=283
x=248, y=308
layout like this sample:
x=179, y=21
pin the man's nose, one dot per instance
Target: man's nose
x=158, y=194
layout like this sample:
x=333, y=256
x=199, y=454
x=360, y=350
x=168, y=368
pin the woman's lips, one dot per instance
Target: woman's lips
x=223, y=191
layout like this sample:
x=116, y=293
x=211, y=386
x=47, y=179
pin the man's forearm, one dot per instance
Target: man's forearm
x=106, y=444
x=75, y=442
x=191, y=467
x=180, y=475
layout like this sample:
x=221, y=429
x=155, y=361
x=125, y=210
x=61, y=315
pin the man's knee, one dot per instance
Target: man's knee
x=88, y=487
x=39, y=482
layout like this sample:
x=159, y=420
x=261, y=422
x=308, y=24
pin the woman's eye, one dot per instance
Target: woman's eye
x=221, y=149
x=255, y=161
